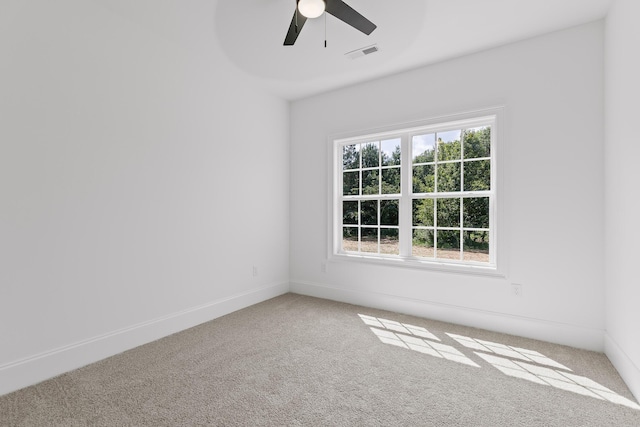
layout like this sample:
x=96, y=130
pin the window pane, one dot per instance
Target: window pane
x=351, y=156
x=388, y=212
x=369, y=212
x=370, y=182
x=423, y=212
x=448, y=212
x=450, y=191
x=448, y=244
x=477, y=143
x=391, y=152
x=391, y=181
x=423, y=148
x=350, y=239
x=351, y=183
x=448, y=177
x=477, y=175
x=449, y=145
x=349, y=212
x=475, y=212
x=369, y=242
x=476, y=246
x=389, y=241
x=422, y=243
x=370, y=155
x=423, y=179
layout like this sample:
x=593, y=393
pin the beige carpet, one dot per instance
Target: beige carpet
x=300, y=361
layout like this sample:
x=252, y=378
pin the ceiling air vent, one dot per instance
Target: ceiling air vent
x=363, y=51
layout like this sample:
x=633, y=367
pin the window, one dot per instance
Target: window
x=371, y=175
x=418, y=196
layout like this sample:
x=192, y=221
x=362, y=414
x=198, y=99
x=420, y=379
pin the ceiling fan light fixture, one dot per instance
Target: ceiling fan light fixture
x=306, y=9
x=311, y=8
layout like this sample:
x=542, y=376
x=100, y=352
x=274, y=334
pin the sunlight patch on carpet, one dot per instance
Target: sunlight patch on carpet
x=414, y=338
x=507, y=351
x=392, y=325
x=513, y=361
x=556, y=378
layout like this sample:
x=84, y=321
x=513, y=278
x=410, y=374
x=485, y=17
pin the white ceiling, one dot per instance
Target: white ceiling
x=410, y=33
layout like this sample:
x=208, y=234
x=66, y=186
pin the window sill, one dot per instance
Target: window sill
x=420, y=264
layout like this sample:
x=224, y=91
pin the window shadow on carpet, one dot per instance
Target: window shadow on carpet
x=525, y=364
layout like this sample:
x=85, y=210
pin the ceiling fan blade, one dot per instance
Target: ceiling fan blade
x=347, y=14
x=294, y=30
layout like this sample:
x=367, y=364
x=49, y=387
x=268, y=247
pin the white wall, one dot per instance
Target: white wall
x=622, y=175
x=140, y=181
x=552, y=90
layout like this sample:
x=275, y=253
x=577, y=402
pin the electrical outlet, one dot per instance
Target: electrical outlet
x=516, y=289
x=255, y=271
x=323, y=266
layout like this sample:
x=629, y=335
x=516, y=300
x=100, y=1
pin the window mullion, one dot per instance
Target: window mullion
x=405, y=220
x=359, y=225
x=461, y=232
x=379, y=221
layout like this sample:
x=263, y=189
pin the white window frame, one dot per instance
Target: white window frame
x=496, y=266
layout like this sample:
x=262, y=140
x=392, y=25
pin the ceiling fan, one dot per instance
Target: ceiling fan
x=309, y=9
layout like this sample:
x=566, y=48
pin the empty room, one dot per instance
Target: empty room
x=319, y=212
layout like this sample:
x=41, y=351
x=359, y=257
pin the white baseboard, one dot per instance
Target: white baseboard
x=34, y=369
x=555, y=332
x=628, y=370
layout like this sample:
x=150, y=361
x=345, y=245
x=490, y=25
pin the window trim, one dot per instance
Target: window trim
x=454, y=121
